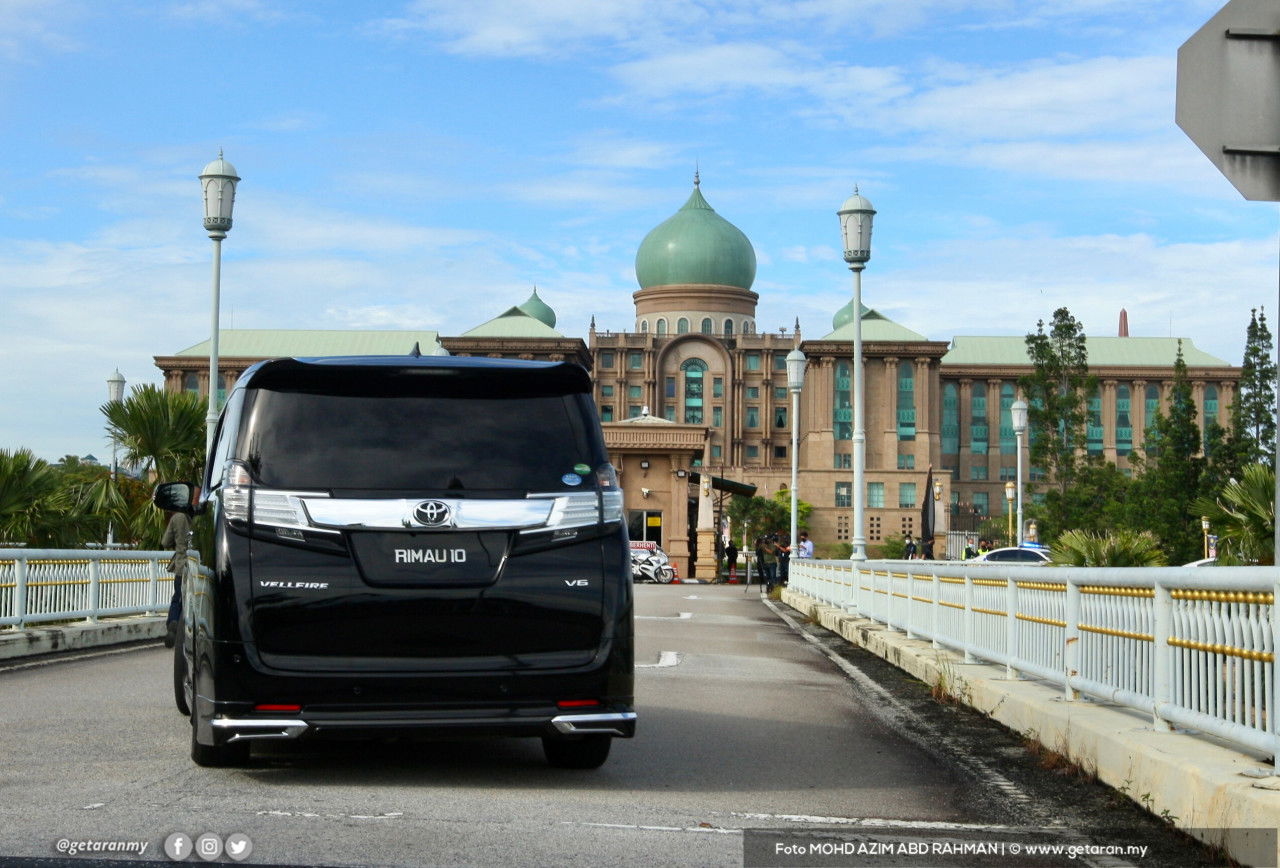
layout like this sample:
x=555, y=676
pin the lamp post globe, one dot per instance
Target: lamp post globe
x=856, y=216
x=1018, y=417
x=218, y=181
x=796, y=362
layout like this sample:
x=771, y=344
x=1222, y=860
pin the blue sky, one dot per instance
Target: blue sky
x=425, y=164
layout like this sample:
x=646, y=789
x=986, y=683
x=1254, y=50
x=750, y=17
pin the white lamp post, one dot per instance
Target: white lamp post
x=855, y=225
x=218, y=181
x=115, y=393
x=1018, y=415
x=795, y=382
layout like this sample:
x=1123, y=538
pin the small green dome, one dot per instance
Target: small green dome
x=539, y=309
x=844, y=316
x=696, y=245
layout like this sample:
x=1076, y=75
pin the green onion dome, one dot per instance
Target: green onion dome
x=539, y=309
x=696, y=246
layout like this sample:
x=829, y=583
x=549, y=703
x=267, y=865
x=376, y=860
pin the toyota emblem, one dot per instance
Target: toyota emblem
x=433, y=513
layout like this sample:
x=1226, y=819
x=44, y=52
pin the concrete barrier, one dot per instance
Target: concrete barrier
x=83, y=634
x=1206, y=788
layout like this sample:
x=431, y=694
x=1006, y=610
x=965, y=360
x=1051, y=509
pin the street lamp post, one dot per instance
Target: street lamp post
x=1204, y=529
x=115, y=393
x=1018, y=413
x=218, y=181
x=1008, y=509
x=795, y=382
x=856, y=215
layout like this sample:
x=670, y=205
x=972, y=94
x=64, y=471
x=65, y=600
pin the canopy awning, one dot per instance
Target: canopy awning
x=721, y=484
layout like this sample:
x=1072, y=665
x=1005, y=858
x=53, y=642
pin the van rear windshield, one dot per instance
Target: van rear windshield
x=378, y=437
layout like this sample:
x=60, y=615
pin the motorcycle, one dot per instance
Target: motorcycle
x=651, y=565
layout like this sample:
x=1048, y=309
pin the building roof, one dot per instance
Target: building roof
x=514, y=322
x=1103, y=352
x=696, y=246
x=875, y=327
x=276, y=343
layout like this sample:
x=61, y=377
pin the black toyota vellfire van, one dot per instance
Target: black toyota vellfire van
x=408, y=545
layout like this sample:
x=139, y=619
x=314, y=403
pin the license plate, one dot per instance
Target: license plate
x=427, y=559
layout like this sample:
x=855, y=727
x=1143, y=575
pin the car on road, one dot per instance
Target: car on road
x=408, y=545
x=1014, y=555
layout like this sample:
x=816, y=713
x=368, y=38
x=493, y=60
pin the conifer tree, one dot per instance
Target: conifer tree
x=1253, y=420
x=1056, y=393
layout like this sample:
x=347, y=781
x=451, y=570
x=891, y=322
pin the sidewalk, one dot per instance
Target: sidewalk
x=1206, y=786
x=82, y=634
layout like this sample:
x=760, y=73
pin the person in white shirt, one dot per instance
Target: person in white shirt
x=804, y=546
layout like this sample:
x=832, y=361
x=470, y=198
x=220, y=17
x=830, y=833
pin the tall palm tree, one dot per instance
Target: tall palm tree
x=1244, y=517
x=32, y=506
x=163, y=431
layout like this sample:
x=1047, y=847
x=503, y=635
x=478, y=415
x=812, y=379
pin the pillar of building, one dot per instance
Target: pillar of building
x=1109, y=418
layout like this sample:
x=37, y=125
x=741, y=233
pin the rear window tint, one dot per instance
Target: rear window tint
x=396, y=432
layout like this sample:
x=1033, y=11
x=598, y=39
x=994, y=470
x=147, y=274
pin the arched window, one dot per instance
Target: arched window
x=842, y=408
x=693, y=371
x=191, y=383
x=682, y=326
x=728, y=327
x=707, y=327
x=644, y=326
x=662, y=326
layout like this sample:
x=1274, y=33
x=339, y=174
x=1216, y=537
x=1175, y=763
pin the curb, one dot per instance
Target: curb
x=1196, y=780
x=47, y=640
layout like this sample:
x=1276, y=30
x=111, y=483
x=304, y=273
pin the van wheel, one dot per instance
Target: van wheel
x=587, y=752
x=180, y=680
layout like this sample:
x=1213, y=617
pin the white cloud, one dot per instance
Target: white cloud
x=29, y=27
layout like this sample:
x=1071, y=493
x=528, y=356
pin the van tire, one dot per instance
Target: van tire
x=586, y=752
x=180, y=680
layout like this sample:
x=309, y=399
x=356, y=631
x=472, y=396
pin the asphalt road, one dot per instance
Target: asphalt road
x=744, y=724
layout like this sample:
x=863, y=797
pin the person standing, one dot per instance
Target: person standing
x=909, y=549
x=804, y=547
x=769, y=562
x=177, y=536
x=731, y=559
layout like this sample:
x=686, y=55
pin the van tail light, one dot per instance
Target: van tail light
x=610, y=494
x=578, y=703
x=236, y=489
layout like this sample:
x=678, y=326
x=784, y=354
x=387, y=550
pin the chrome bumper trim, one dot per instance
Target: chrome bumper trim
x=244, y=730
x=596, y=724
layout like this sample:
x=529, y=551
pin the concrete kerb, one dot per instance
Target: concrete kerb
x=83, y=634
x=1194, y=781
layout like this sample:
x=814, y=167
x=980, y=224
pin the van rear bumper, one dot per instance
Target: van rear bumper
x=620, y=724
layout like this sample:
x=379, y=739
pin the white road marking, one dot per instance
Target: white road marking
x=714, y=830
x=683, y=616
x=878, y=823
x=393, y=815
x=693, y=597
x=665, y=659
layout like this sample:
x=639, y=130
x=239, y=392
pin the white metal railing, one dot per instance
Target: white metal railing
x=1192, y=647
x=38, y=585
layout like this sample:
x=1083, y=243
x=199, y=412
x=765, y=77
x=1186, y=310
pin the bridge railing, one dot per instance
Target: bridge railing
x=1192, y=647
x=41, y=585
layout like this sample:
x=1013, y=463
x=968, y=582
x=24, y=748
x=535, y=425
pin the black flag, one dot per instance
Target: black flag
x=926, y=516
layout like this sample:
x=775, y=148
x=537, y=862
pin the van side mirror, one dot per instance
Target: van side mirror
x=174, y=497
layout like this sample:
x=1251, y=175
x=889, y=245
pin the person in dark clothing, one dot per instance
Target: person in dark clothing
x=177, y=536
x=731, y=557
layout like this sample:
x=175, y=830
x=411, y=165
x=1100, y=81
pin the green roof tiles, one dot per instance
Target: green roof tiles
x=514, y=322
x=278, y=343
x=1103, y=352
x=875, y=327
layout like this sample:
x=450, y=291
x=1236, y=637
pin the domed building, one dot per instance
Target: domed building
x=695, y=406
